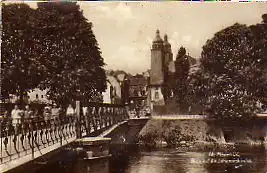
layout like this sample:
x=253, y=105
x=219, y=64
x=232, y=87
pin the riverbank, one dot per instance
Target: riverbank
x=200, y=133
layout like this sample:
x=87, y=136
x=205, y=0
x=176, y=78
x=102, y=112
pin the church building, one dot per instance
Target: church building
x=162, y=66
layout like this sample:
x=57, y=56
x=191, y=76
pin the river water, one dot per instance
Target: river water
x=178, y=160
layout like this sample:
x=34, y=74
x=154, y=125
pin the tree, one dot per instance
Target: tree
x=180, y=79
x=52, y=47
x=259, y=32
x=167, y=87
x=231, y=77
x=69, y=51
x=20, y=72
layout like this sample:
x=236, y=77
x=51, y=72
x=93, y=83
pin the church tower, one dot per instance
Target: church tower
x=161, y=55
x=157, y=59
x=167, y=51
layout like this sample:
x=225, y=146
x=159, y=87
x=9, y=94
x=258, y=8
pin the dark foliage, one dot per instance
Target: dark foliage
x=180, y=79
x=232, y=78
x=20, y=70
x=54, y=48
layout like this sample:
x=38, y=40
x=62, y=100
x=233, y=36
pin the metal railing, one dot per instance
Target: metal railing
x=34, y=134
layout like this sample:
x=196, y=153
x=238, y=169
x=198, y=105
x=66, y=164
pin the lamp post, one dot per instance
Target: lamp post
x=78, y=103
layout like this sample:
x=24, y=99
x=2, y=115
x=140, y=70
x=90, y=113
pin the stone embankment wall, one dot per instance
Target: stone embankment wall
x=159, y=132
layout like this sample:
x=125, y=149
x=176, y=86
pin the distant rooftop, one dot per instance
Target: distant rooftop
x=138, y=80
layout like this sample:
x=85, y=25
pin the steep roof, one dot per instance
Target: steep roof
x=192, y=61
x=157, y=39
x=138, y=80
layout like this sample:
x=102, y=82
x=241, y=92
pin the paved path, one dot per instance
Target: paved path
x=185, y=117
x=178, y=117
x=262, y=115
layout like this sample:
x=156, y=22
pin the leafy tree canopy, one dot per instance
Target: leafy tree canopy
x=180, y=79
x=60, y=42
x=19, y=68
x=71, y=55
x=231, y=80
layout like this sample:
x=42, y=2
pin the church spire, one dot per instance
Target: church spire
x=165, y=38
x=167, y=45
x=157, y=42
x=157, y=38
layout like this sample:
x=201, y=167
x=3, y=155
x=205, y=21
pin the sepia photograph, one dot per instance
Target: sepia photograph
x=133, y=87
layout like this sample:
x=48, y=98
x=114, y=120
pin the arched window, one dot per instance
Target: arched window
x=114, y=91
x=143, y=92
x=111, y=91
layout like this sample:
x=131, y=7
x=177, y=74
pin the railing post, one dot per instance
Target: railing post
x=1, y=140
x=32, y=139
x=78, y=114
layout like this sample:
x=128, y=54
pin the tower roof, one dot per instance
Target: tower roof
x=157, y=38
x=166, y=43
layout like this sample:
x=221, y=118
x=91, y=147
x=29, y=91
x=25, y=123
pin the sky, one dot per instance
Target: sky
x=125, y=30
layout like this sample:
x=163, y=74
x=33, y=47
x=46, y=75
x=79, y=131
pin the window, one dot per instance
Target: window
x=36, y=96
x=42, y=96
x=114, y=91
x=135, y=93
x=111, y=91
x=143, y=92
x=156, y=95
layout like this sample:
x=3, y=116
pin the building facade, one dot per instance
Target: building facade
x=112, y=94
x=137, y=94
x=34, y=96
x=38, y=96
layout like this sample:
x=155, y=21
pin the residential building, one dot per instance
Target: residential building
x=113, y=93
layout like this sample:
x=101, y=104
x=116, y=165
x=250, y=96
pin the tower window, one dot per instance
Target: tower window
x=156, y=95
x=42, y=96
x=135, y=93
x=36, y=96
x=143, y=93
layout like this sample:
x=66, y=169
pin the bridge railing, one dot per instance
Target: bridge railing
x=30, y=136
x=99, y=116
x=35, y=134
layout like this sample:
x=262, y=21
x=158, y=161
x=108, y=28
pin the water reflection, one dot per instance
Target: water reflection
x=162, y=161
x=129, y=159
x=92, y=166
x=233, y=160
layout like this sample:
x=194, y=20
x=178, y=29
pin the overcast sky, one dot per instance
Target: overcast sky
x=125, y=30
